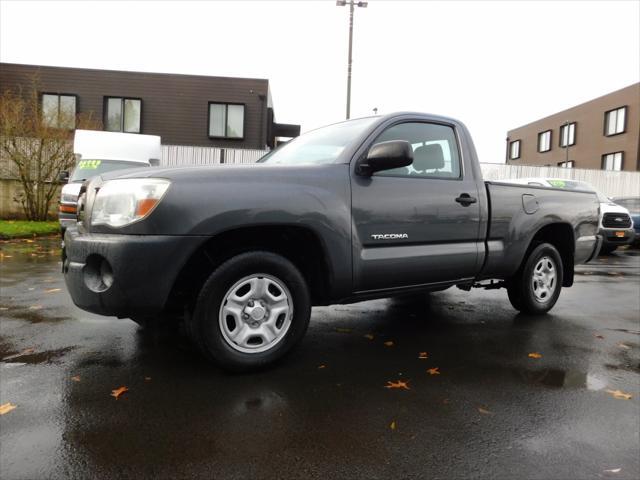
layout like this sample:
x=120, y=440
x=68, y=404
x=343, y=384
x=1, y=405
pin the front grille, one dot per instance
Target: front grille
x=616, y=220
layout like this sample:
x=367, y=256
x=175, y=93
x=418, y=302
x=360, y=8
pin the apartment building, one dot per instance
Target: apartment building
x=194, y=110
x=602, y=134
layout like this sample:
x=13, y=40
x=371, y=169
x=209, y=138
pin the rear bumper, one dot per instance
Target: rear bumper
x=610, y=237
x=123, y=275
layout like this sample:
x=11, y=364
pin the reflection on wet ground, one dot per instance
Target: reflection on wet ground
x=553, y=377
x=492, y=412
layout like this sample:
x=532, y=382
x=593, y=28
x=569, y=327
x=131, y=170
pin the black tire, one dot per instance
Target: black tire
x=205, y=327
x=521, y=290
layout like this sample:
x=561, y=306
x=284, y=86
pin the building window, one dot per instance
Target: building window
x=226, y=120
x=568, y=134
x=544, y=141
x=612, y=161
x=59, y=111
x=122, y=114
x=514, y=150
x=614, y=121
x=569, y=164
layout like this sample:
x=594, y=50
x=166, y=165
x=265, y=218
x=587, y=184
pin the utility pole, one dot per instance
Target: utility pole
x=566, y=157
x=352, y=4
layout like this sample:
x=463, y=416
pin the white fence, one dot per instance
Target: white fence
x=612, y=184
x=178, y=156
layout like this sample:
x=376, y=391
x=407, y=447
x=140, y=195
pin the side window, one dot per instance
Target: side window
x=435, y=150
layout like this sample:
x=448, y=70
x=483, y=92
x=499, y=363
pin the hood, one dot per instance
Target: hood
x=252, y=172
x=611, y=207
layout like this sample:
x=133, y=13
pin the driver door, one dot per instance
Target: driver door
x=409, y=225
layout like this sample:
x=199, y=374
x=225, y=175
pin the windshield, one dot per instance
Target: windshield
x=90, y=168
x=320, y=146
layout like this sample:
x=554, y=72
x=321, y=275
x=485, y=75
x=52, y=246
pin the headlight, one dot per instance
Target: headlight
x=68, y=197
x=122, y=202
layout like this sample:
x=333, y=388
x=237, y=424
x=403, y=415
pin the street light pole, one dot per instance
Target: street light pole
x=352, y=4
x=566, y=157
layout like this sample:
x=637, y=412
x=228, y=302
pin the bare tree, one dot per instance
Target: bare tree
x=36, y=142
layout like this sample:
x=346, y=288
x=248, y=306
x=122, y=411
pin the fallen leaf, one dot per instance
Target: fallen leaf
x=76, y=378
x=434, y=371
x=423, y=355
x=35, y=307
x=119, y=391
x=613, y=470
x=29, y=241
x=26, y=351
x=6, y=408
x=393, y=425
x=535, y=355
x=484, y=411
x=398, y=384
x=369, y=336
x=599, y=336
x=147, y=379
x=624, y=345
x=388, y=344
x=619, y=394
x=343, y=330
x=321, y=366
x=53, y=290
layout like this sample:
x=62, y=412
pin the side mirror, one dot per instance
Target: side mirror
x=386, y=156
x=64, y=176
x=154, y=162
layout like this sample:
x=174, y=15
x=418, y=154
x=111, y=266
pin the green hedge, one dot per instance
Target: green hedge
x=25, y=229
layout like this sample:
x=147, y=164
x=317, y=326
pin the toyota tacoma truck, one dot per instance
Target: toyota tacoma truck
x=362, y=209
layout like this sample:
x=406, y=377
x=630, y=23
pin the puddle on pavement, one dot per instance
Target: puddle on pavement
x=558, y=378
x=35, y=357
x=40, y=315
x=16, y=250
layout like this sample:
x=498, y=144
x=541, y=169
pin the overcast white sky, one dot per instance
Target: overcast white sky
x=493, y=65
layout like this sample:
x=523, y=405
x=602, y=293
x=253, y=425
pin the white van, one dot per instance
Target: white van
x=101, y=152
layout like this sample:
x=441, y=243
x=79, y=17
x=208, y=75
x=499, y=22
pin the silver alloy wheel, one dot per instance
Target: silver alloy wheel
x=543, y=281
x=256, y=313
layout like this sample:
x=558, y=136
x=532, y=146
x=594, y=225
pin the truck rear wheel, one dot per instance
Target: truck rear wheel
x=251, y=311
x=536, y=286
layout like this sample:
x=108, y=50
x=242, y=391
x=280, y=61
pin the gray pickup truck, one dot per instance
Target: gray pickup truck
x=362, y=209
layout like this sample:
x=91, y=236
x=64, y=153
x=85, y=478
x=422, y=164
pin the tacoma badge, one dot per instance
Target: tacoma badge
x=389, y=236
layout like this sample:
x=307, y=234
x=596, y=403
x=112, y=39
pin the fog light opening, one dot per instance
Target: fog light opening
x=98, y=274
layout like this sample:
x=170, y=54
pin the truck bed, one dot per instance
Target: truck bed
x=516, y=211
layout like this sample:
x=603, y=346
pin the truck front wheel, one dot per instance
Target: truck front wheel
x=536, y=286
x=251, y=311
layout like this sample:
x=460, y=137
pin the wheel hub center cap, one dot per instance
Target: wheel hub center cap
x=257, y=313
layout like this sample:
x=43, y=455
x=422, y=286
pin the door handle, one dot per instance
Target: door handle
x=465, y=199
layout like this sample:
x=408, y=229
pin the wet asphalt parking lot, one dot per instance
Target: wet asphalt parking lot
x=489, y=410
